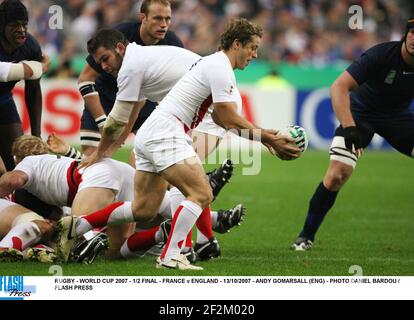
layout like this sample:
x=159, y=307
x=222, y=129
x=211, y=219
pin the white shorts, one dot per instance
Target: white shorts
x=209, y=127
x=4, y=204
x=100, y=175
x=161, y=142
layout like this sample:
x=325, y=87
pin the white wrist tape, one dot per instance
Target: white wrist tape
x=121, y=111
x=100, y=121
x=88, y=88
x=36, y=67
x=113, y=128
x=16, y=72
x=26, y=217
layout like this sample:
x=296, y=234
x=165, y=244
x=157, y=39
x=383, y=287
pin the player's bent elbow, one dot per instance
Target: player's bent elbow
x=14, y=182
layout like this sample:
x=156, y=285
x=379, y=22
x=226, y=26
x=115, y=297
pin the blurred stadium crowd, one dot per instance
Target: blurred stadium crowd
x=296, y=31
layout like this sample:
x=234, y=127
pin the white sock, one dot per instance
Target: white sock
x=26, y=234
x=113, y=216
x=213, y=219
x=201, y=238
x=82, y=226
x=182, y=224
x=176, y=198
x=122, y=214
x=165, y=208
x=159, y=237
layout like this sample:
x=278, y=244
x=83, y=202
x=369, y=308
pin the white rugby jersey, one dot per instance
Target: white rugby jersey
x=47, y=177
x=211, y=80
x=4, y=204
x=4, y=70
x=149, y=72
x=125, y=174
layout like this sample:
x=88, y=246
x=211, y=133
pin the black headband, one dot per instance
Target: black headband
x=12, y=11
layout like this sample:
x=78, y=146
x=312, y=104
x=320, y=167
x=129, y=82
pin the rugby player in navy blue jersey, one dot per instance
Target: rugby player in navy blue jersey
x=372, y=96
x=16, y=45
x=99, y=88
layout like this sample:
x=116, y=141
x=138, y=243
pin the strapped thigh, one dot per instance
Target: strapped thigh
x=338, y=150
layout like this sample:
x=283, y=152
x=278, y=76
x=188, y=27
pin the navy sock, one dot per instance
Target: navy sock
x=319, y=205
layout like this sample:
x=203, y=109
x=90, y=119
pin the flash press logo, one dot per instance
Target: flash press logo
x=13, y=288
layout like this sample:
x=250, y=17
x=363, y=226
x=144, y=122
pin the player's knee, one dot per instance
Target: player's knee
x=337, y=177
x=143, y=212
x=205, y=198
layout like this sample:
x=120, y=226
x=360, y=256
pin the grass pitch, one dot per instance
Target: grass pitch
x=371, y=224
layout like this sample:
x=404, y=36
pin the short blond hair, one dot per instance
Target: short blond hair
x=25, y=146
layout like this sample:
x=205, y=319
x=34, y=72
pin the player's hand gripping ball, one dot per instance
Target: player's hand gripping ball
x=299, y=135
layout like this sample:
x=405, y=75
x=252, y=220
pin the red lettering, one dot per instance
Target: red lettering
x=53, y=108
x=247, y=108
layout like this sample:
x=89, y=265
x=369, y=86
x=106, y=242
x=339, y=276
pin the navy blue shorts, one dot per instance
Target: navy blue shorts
x=8, y=111
x=396, y=128
x=88, y=122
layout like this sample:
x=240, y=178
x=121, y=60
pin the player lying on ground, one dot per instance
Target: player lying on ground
x=222, y=220
x=22, y=229
x=57, y=181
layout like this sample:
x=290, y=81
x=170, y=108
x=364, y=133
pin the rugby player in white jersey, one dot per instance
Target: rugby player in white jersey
x=149, y=72
x=58, y=181
x=222, y=220
x=21, y=228
x=163, y=148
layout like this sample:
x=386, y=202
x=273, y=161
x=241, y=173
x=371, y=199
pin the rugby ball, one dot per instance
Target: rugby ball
x=298, y=134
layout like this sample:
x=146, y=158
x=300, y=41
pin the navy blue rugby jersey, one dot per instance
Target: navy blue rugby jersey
x=30, y=50
x=386, y=82
x=105, y=83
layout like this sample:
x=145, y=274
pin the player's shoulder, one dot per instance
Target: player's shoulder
x=127, y=28
x=134, y=57
x=384, y=50
x=218, y=60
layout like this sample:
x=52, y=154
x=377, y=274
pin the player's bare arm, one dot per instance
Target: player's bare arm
x=33, y=98
x=340, y=98
x=115, y=126
x=11, y=181
x=86, y=83
x=225, y=115
x=341, y=104
x=127, y=130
